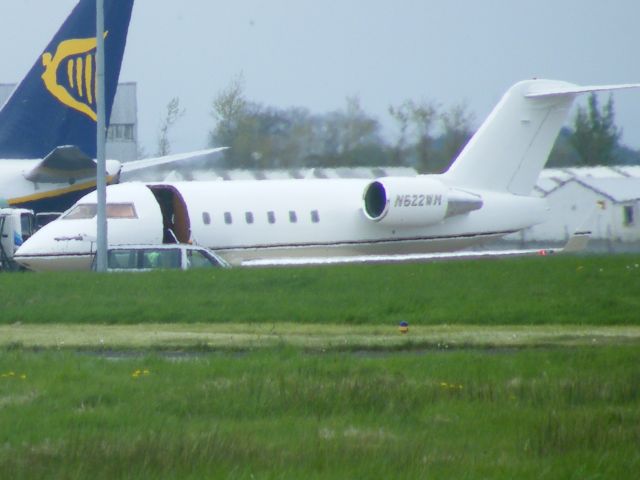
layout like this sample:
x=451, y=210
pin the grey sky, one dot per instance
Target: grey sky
x=314, y=54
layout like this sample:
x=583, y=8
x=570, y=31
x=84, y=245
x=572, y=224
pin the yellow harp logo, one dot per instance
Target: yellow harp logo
x=75, y=84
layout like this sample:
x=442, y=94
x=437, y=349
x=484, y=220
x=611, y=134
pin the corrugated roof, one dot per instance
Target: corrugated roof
x=612, y=184
x=630, y=170
x=548, y=185
x=221, y=174
x=594, y=172
x=619, y=190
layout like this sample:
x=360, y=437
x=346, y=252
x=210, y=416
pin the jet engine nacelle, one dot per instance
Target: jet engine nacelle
x=406, y=202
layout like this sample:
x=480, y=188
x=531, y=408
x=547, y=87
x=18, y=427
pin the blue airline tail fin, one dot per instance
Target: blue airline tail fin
x=55, y=104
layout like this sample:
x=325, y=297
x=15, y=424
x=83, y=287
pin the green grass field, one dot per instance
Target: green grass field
x=520, y=368
x=527, y=291
x=282, y=413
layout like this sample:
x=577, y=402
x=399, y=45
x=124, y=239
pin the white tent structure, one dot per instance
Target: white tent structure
x=610, y=194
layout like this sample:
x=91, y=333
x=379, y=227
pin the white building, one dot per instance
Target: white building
x=122, y=137
x=608, y=198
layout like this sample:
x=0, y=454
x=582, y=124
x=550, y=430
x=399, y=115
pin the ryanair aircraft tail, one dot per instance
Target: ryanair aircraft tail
x=55, y=104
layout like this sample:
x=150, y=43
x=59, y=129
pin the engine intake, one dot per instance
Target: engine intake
x=415, y=202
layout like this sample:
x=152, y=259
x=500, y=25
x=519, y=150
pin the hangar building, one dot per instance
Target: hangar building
x=611, y=195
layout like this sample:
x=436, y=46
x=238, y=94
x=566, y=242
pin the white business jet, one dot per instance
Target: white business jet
x=485, y=194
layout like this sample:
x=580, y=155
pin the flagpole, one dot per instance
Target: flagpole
x=101, y=181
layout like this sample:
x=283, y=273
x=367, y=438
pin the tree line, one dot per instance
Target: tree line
x=428, y=138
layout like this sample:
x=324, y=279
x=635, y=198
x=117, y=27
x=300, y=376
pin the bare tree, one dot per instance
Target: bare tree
x=174, y=112
x=416, y=121
x=456, y=132
x=423, y=115
x=401, y=115
x=228, y=109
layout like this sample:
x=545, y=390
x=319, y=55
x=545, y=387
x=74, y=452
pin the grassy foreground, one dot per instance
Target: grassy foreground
x=175, y=337
x=519, y=368
x=599, y=290
x=281, y=413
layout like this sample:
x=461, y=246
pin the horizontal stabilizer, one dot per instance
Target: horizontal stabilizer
x=62, y=164
x=180, y=157
x=576, y=89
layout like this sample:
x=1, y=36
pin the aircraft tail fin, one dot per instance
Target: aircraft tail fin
x=55, y=104
x=511, y=147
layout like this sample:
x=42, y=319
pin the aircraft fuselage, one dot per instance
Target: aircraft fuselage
x=248, y=220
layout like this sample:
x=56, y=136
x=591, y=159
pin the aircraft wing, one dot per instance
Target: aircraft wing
x=68, y=161
x=61, y=164
x=180, y=157
x=576, y=243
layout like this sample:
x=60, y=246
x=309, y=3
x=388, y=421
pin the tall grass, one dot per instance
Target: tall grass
x=282, y=413
x=527, y=291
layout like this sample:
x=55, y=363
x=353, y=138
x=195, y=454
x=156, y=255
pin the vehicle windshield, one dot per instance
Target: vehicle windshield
x=198, y=259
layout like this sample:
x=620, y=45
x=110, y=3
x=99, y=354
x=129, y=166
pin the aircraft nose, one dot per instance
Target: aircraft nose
x=54, y=248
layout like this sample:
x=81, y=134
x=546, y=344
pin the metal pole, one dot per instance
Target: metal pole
x=101, y=181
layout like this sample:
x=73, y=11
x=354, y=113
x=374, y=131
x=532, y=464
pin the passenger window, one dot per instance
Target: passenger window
x=293, y=218
x=248, y=216
x=315, y=216
x=227, y=218
x=206, y=218
x=169, y=258
x=124, y=259
x=271, y=216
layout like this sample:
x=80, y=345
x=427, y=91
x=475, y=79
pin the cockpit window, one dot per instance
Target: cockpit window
x=121, y=210
x=82, y=211
x=90, y=210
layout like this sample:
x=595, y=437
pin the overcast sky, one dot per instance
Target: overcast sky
x=314, y=53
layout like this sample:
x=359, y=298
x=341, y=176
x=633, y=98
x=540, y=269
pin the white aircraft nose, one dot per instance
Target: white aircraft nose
x=56, y=247
x=69, y=243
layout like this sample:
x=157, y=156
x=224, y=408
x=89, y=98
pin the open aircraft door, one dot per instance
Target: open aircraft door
x=175, y=217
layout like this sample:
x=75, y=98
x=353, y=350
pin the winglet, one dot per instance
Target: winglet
x=577, y=242
x=580, y=238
